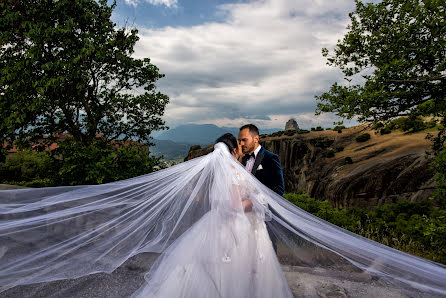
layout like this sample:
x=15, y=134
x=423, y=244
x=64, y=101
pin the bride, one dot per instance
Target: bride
x=227, y=253
x=205, y=218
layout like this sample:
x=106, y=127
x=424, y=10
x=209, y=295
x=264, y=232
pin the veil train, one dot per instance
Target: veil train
x=60, y=233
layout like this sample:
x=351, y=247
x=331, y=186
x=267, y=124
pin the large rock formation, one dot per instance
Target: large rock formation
x=291, y=125
x=384, y=169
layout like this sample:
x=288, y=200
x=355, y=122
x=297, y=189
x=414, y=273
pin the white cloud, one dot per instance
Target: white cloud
x=168, y=3
x=263, y=61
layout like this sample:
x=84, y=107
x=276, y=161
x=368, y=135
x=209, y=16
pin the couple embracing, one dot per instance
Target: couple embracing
x=229, y=252
x=263, y=164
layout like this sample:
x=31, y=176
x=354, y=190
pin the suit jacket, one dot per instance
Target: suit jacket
x=267, y=169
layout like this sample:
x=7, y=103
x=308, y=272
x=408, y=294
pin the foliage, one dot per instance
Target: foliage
x=439, y=167
x=416, y=228
x=65, y=67
x=322, y=142
x=28, y=168
x=339, y=127
x=74, y=163
x=347, y=160
x=363, y=137
x=411, y=124
x=399, y=48
x=330, y=153
x=385, y=130
x=302, y=131
x=289, y=132
x=101, y=162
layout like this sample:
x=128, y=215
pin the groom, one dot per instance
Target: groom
x=264, y=165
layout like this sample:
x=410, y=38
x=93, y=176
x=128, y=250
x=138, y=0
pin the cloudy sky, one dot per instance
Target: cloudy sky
x=230, y=62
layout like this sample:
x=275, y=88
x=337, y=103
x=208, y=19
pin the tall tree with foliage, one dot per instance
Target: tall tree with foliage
x=66, y=67
x=397, y=48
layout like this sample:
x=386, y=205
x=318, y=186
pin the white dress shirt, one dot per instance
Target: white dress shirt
x=250, y=162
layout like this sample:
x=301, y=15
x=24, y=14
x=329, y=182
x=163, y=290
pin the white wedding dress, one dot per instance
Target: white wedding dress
x=227, y=253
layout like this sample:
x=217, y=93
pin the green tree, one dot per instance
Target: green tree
x=67, y=68
x=399, y=48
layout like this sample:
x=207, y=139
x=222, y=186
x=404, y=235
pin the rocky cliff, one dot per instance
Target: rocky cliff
x=334, y=166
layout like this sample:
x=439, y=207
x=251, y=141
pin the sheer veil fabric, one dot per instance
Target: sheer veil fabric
x=192, y=215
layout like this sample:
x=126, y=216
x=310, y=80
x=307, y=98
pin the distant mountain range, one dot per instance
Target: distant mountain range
x=175, y=143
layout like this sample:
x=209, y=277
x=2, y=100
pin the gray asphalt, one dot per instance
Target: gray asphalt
x=120, y=283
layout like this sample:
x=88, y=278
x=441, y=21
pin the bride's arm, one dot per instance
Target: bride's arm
x=247, y=205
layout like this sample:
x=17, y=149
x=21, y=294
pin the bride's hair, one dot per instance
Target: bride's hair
x=229, y=141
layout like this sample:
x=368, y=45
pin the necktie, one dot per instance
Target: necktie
x=247, y=156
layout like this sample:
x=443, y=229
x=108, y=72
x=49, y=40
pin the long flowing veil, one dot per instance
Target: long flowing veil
x=59, y=233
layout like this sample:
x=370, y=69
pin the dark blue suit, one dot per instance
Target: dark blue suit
x=270, y=173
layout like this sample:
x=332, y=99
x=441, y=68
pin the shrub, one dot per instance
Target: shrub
x=100, y=162
x=439, y=168
x=339, y=149
x=313, y=129
x=277, y=133
x=319, y=128
x=290, y=132
x=348, y=160
x=416, y=228
x=385, y=130
x=26, y=166
x=363, y=137
x=302, y=131
x=330, y=153
x=339, y=127
x=377, y=125
x=74, y=163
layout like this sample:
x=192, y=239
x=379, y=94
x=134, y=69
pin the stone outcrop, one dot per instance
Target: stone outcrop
x=333, y=166
x=291, y=125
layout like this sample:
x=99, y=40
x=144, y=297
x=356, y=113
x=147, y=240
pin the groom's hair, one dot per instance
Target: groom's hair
x=252, y=129
x=229, y=141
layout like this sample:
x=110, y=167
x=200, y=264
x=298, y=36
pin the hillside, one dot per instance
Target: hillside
x=385, y=169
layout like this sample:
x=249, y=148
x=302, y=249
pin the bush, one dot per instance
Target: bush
x=339, y=149
x=348, y=160
x=339, y=127
x=439, y=168
x=100, y=162
x=330, y=153
x=385, y=130
x=24, y=167
x=377, y=125
x=73, y=164
x=363, y=137
x=313, y=129
x=416, y=228
x=290, y=132
x=302, y=131
x=277, y=133
x=413, y=123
